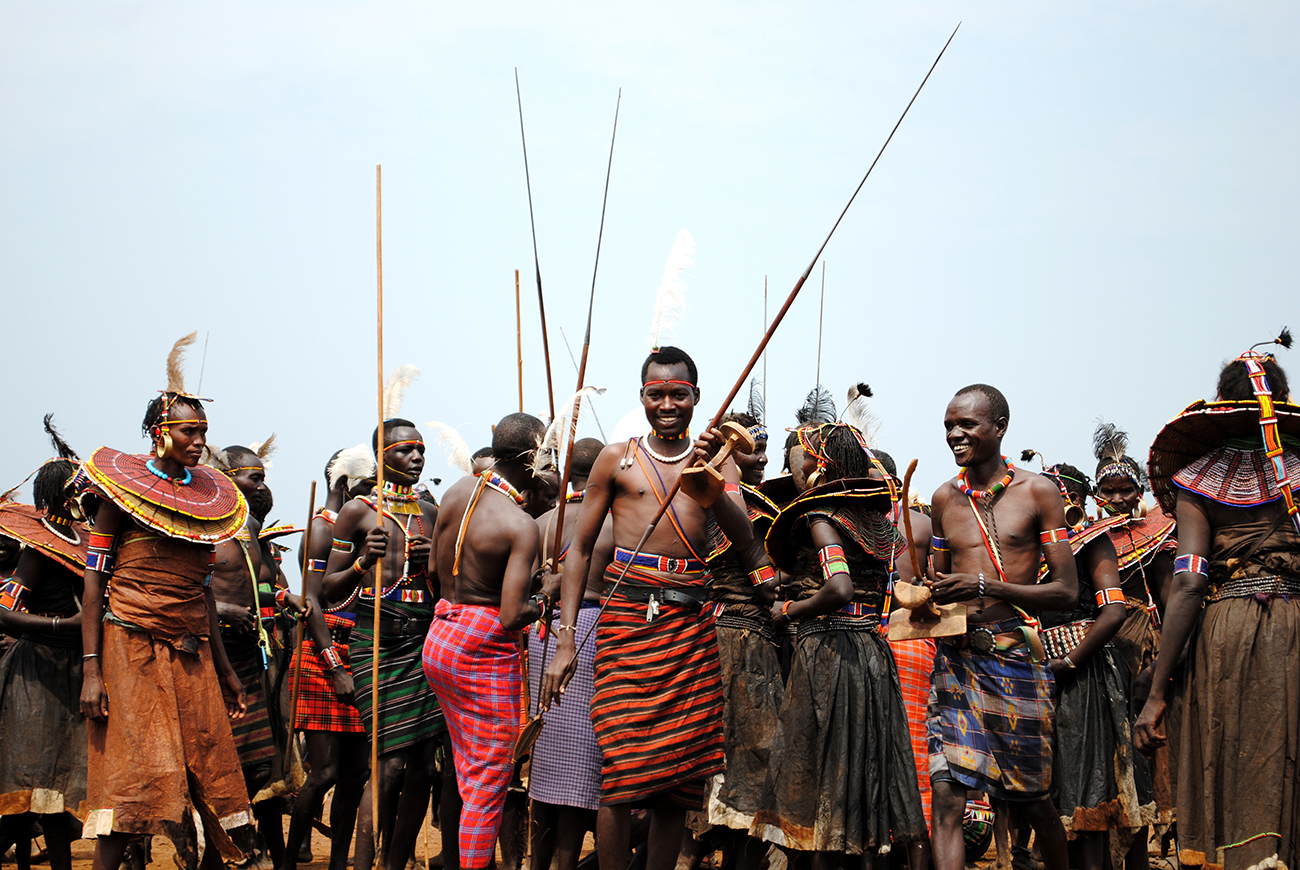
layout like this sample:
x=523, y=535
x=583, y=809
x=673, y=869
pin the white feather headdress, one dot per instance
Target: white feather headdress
x=547, y=455
x=458, y=455
x=670, y=298
x=354, y=463
x=395, y=388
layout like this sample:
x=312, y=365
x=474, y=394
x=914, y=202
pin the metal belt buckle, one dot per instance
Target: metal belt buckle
x=651, y=608
x=983, y=640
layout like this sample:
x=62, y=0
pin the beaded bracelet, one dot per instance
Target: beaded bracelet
x=280, y=596
x=356, y=566
x=317, y=565
x=939, y=545
x=762, y=574
x=785, y=610
x=333, y=660
x=1054, y=536
x=1193, y=564
x=99, y=560
x=833, y=561
x=1109, y=596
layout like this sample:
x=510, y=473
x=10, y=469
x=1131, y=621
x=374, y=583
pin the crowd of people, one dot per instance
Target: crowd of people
x=657, y=643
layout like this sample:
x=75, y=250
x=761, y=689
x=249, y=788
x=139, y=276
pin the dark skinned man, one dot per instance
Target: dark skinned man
x=658, y=719
x=484, y=555
x=992, y=526
x=409, y=721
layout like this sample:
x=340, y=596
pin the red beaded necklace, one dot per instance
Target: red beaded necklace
x=992, y=490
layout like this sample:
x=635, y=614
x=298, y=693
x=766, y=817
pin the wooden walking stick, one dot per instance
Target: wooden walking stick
x=918, y=615
x=375, y=824
x=297, y=671
x=767, y=336
x=528, y=736
x=541, y=301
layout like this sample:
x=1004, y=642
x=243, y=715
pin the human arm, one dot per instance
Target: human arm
x=30, y=572
x=1183, y=610
x=940, y=557
x=312, y=577
x=1102, y=565
x=597, y=500
x=836, y=590
x=1160, y=579
x=232, y=690
x=109, y=521
x=517, y=608
x=348, y=562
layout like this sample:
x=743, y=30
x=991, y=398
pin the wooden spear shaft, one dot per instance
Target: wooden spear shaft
x=519, y=342
x=306, y=561
x=379, y=514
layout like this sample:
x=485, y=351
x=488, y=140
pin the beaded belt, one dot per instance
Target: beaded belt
x=838, y=622
x=1060, y=640
x=746, y=623
x=659, y=563
x=1267, y=586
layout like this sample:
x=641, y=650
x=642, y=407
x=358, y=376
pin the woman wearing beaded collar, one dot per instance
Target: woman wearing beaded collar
x=1235, y=607
x=166, y=725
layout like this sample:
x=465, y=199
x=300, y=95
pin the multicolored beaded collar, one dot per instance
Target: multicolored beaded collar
x=993, y=490
x=575, y=496
x=685, y=433
x=153, y=469
x=1254, y=363
x=501, y=485
x=400, y=498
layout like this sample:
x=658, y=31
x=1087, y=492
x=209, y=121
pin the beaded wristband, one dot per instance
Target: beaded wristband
x=731, y=487
x=785, y=610
x=1054, y=536
x=1192, y=563
x=99, y=560
x=317, y=565
x=356, y=566
x=833, y=561
x=762, y=574
x=1109, y=596
x=280, y=596
x=938, y=544
x=333, y=660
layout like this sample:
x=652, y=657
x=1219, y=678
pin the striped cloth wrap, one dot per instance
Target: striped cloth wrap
x=409, y=709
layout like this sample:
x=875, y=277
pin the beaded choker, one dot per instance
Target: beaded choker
x=184, y=481
x=67, y=533
x=667, y=460
x=686, y=433
x=575, y=496
x=501, y=485
x=401, y=499
x=992, y=490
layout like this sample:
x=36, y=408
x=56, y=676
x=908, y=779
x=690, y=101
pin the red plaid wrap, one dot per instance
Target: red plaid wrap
x=915, y=661
x=319, y=709
x=473, y=666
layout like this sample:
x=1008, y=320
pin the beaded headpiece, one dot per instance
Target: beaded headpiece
x=176, y=379
x=1254, y=363
x=759, y=429
x=1110, y=446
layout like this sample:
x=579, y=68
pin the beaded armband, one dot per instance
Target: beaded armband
x=1054, y=536
x=1109, y=596
x=317, y=565
x=1192, y=563
x=939, y=545
x=333, y=661
x=762, y=574
x=343, y=546
x=833, y=561
x=280, y=596
x=11, y=595
x=99, y=556
x=731, y=487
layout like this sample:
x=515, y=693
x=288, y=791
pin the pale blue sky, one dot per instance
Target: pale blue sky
x=1091, y=206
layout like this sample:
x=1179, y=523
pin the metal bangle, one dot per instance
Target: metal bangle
x=54, y=627
x=90, y=656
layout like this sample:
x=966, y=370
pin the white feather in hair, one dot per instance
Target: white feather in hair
x=547, y=455
x=264, y=449
x=458, y=455
x=670, y=298
x=176, y=362
x=395, y=388
x=354, y=463
x=860, y=415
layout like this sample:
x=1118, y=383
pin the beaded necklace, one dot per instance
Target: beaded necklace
x=992, y=490
x=685, y=433
x=184, y=481
x=667, y=460
x=51, y=522
x=401, y=499
x=575, y=496
x=501, y=485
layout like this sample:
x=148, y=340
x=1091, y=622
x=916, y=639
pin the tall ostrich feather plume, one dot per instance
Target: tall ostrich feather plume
x=61, y=447
x=756, y=409
x=176, y=361
x=458, y=455
x=395, y=388
x=354, y=463
x=547, y=455
x=859, y=414
x=818, y=407
x=670, y=298
x=264, y=449
x=1109, y=442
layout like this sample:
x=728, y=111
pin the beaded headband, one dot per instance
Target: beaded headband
x=759, y=432
x=1119, y=469
x=657, y=383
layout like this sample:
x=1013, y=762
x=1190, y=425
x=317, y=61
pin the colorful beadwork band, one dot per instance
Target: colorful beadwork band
x=762, y=574
x=731, y=487
x=1192, y=563
x=833, y=561
x=938, y=544
x=1109, y=596
x=317, y=565
x=343, y=546
x=11, y=595
x=100, y=541
x=657, y=383
x=1268, y=429
x=1054, y=536
x=98, y=560
x=333, y=661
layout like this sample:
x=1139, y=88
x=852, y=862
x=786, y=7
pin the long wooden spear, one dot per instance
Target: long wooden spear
x=586, y=342
x=541, y=301
x=519, y=342
x=297, y=671
x=379, y=489
x=780, y=315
